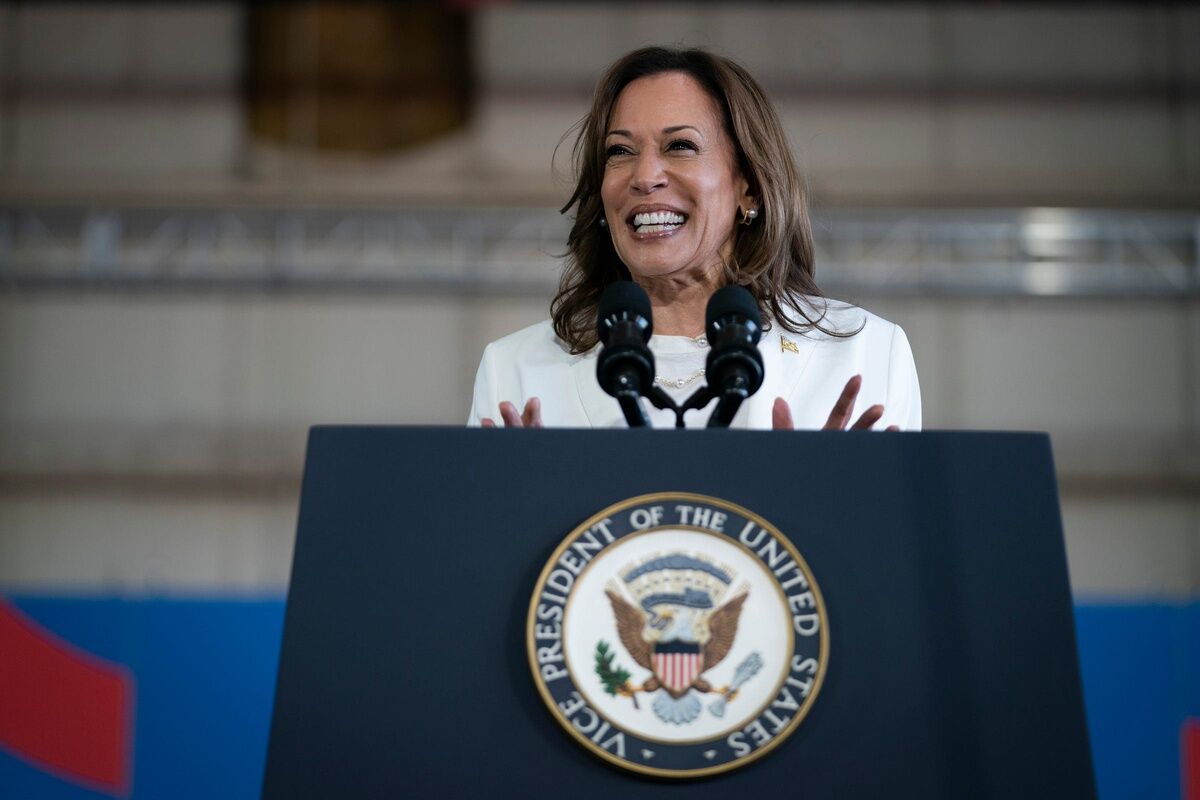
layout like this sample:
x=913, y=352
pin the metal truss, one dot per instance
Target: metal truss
x=968, y=252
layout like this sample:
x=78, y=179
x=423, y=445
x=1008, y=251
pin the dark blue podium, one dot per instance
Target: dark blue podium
x=404, y=673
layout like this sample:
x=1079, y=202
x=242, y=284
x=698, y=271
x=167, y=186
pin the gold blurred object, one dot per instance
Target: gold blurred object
x=357, y=77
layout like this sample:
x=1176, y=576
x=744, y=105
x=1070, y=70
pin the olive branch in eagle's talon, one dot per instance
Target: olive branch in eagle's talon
x=615, y=679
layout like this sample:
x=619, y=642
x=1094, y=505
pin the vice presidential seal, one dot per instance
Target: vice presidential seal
x=678, y=635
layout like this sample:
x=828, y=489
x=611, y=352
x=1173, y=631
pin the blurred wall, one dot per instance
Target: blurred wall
x=918, y=103
x=151, y=438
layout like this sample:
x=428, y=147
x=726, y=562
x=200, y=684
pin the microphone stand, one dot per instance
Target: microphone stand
x=628, y=398
x=661, y=399
x=728, y=402
x=735, y=392
x=699, y=399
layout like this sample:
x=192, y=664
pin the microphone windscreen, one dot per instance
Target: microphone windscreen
x=733, y=301
x=624, y=296
x=625, y=300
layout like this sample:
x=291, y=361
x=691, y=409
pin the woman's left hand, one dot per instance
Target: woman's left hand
x=781, y=414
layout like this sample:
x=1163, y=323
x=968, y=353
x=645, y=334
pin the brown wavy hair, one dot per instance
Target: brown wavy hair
x=773, y=257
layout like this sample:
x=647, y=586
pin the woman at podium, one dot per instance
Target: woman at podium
x=685, y=183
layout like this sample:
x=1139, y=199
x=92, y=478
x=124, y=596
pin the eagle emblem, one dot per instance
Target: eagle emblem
x=677, y=628
x=677, y=635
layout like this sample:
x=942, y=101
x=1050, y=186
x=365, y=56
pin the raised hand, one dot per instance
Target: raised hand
x=531, y=418
x=839, y=417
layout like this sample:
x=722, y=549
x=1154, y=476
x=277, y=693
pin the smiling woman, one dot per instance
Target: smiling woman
x=685, y=184
x=670, y=192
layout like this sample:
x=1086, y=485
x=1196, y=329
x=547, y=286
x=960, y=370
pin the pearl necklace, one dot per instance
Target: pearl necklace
x=679, y=383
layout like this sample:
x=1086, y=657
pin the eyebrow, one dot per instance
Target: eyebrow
x=668, y=131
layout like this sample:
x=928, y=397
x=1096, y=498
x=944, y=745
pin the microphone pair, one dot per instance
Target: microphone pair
x=625, y=368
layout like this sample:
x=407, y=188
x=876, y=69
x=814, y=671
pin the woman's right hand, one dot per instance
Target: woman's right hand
x=531, y=418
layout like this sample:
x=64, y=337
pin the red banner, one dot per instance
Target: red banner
x=63, y=709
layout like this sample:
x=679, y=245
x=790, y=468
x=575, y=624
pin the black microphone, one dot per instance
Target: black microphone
x=734, y=369
x=625, y=367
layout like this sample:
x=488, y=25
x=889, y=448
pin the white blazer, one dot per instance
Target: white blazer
x=809, y=371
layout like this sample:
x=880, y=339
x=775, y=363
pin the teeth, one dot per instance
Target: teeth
x=658, y=218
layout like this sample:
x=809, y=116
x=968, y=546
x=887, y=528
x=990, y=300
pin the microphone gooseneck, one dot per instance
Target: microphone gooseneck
x=734, y=368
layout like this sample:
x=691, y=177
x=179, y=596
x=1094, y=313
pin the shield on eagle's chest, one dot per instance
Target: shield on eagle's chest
x=677, y=665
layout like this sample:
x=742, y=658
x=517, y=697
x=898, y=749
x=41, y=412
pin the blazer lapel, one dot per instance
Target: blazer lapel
x=785, y=357
x=600, y=410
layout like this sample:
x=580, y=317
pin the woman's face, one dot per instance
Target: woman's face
x=671, y=182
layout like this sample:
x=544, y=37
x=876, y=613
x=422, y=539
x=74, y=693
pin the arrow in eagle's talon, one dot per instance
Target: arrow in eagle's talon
x=744, y=672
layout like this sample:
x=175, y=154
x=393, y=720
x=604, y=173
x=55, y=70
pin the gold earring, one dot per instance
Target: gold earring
x=748, y=215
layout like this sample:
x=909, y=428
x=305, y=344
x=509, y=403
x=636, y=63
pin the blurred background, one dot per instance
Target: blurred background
x=221, y=223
